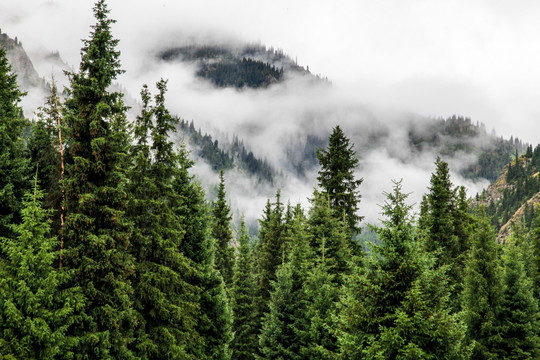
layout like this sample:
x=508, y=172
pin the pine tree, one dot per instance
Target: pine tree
x=44, y=151
x=214, y=321
x=482, y=292
x=244, y=344
x=329, y=235
x=323, y=296
x=97, y=235
x=285, y=327
x=520, y=318
x=397, y=306
x=440, y=222
x=222, y=233
x=270, y=249
x=337, y=179
x=534, y=265
x=36, y=311
x=162, y=294
x=14, y=176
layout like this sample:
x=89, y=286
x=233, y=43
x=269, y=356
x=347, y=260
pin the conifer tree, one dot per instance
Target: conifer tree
x=337, y=179
x=44, y=151
x=397, y=306
x=285, y=327
x=534, y=265
x=36, y=310
x=482, y=292
x=329, y=235
x=162, y=294
x=245, y=342
x=323, y=296
x=270, y=249
x=214, y=320
x=222, y=233
x=14, y=176
x=520, y=318
x=440, y=222
x=97, y=235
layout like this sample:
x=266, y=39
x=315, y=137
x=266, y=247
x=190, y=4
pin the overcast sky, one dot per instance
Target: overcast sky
x=480, y=59
x=476, y=58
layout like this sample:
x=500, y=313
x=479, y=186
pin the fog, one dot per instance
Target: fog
x=387, y=60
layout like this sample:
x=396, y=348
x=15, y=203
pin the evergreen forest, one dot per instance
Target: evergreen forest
x=110, y=249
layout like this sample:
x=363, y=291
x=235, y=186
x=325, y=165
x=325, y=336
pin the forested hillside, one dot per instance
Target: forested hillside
x=110, y=249
x=252, y=66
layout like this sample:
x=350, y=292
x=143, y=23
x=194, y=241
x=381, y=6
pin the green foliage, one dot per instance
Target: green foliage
x=396, y=307
x=329, y=238
x=245, y=73
x=482, y=292
x=96, y=232
x=222, y=234
x=44, y=151
x=523, y=183
x=519, y=310
x=244, y=344
x=214, y=320
x=446, y=226
x=337, y=178
x=285, y=326
x=163, y=295
x=323, y=295
x=37, y=308
x=14, y=167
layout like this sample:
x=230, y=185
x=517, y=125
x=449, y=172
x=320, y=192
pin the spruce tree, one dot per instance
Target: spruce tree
x=37, y=311
x=446, y=224
x=323, y=296
x=97, y=235
x=270, y=249
x=245, y=342
x=14, y=167
x=329, y=235
x=519, y=316
x=162, y=294
x=396, y=307
x=44, y=151
x=337, y=178
x=534, y=265
x=285, y=327
x=222, y=233
x=482, y=293
x=214, y=320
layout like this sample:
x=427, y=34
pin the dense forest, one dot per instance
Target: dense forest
x=110, y=249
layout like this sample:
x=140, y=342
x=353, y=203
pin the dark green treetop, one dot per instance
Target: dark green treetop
x=222, y=233
x=337, y=179
x=96, y=232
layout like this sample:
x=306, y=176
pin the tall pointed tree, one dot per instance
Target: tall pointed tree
x=337, y=178
x=14, y=175
x=222, y=233
x=97, y=235
x=162, y=294
x=482, y=292
x=285, y=327
x=214, y=320
x=36, y=311
x=520, y=317
x=45, y=152
x=396, y=307
x=245, y=342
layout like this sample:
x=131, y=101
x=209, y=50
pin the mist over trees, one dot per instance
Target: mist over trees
x=122, y=256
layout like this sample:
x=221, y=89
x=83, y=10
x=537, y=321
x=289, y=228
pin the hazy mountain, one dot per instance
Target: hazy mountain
x=258, y=160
